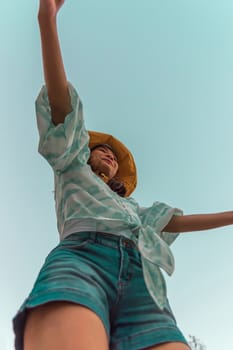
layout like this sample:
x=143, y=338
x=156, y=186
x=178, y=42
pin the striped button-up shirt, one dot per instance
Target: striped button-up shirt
x=82, y=199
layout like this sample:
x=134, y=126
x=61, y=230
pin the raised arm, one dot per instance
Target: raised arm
x=54, y=71
x=199, y=222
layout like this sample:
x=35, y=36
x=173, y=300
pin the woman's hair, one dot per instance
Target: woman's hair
x=117, y=186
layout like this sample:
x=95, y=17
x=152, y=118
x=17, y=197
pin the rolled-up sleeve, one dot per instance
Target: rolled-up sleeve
x=157, y=217
x=64, y=143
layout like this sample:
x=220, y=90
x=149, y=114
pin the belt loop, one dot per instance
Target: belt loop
x=94, y=236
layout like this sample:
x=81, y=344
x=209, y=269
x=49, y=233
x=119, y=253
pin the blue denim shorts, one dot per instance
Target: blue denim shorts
x=104, y=273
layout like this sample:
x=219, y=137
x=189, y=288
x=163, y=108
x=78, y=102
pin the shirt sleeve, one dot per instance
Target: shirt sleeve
x=157, y=217
x=60, y=145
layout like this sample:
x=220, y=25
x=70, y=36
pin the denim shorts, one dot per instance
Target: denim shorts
x=104, y=273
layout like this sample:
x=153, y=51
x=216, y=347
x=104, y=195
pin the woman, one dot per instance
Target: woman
x=101, y=287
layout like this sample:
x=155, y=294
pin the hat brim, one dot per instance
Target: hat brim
x=127, y=172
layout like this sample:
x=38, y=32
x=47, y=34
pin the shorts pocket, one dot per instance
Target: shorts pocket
x=75, y=244
x=71, y=244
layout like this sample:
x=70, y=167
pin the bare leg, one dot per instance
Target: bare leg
x=169, y=346
x=64, y=326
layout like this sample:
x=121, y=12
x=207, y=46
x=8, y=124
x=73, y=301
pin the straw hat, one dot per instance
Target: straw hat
x=127, y=172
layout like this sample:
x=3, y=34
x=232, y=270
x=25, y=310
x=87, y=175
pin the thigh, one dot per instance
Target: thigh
x=64, y=326
x=169, y=346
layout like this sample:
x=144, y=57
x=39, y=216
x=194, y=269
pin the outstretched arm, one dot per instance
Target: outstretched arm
x=199, y=222
x=54, y=72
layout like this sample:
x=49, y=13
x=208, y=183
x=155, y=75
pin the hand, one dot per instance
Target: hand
x=49, y=8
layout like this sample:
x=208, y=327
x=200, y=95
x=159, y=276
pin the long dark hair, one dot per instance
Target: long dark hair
x=117, y=186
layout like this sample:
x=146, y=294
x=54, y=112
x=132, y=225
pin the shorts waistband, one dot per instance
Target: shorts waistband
x=107, y=239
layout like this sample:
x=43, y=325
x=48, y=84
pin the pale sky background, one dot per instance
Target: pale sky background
x=158, y=74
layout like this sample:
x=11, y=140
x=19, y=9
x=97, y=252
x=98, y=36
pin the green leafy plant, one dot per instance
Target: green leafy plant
x=195, y=343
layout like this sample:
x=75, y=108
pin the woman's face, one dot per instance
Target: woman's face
x=103, y=160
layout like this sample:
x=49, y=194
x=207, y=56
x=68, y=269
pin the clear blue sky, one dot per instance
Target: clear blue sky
x=158, y=74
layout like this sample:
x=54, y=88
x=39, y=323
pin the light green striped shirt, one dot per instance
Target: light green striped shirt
x=83, y=199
